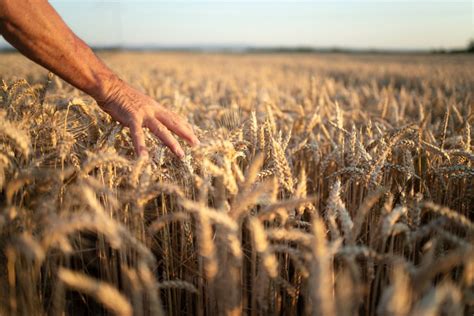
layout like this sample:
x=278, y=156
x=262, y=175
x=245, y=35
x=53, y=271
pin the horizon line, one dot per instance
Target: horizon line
x=243, y=48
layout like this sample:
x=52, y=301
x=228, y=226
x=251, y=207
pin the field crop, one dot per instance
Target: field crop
x=323, y=185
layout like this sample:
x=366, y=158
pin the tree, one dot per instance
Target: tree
x=470, y=46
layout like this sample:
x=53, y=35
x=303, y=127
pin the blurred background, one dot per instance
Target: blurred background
x=271, y=25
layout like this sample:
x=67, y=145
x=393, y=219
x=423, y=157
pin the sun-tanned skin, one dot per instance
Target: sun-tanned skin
x=37, y=31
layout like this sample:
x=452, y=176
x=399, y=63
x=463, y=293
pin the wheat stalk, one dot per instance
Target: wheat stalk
x=101, y=291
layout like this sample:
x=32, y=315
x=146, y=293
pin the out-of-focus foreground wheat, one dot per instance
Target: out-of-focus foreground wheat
x=324, y=185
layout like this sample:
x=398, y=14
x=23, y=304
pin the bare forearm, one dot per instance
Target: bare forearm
x=36, y=30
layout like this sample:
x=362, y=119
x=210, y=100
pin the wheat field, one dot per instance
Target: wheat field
x=324, y=185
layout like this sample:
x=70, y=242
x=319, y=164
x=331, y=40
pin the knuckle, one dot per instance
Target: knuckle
x=178, y=119
x=148, y=111
x=173, y=148
x=161, y=129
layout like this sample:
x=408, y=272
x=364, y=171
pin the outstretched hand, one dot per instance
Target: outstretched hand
x=136, y=110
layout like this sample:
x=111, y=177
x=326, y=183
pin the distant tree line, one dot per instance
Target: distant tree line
x=469, y=49
x=295, y=49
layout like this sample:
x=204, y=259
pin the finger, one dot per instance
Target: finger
x=165, y=136
x=138, y=139
x=178, y=125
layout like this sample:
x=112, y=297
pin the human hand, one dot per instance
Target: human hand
x=136, y=110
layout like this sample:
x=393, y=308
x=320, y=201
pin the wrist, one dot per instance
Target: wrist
x=107, y=86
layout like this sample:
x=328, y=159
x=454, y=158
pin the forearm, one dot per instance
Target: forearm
x=36, y=30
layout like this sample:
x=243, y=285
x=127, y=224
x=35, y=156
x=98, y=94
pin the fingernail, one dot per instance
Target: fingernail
x=180, y=153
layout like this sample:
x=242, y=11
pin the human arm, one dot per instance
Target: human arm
x=38, y=32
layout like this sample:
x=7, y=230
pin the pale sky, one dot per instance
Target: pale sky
x=396, y=24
